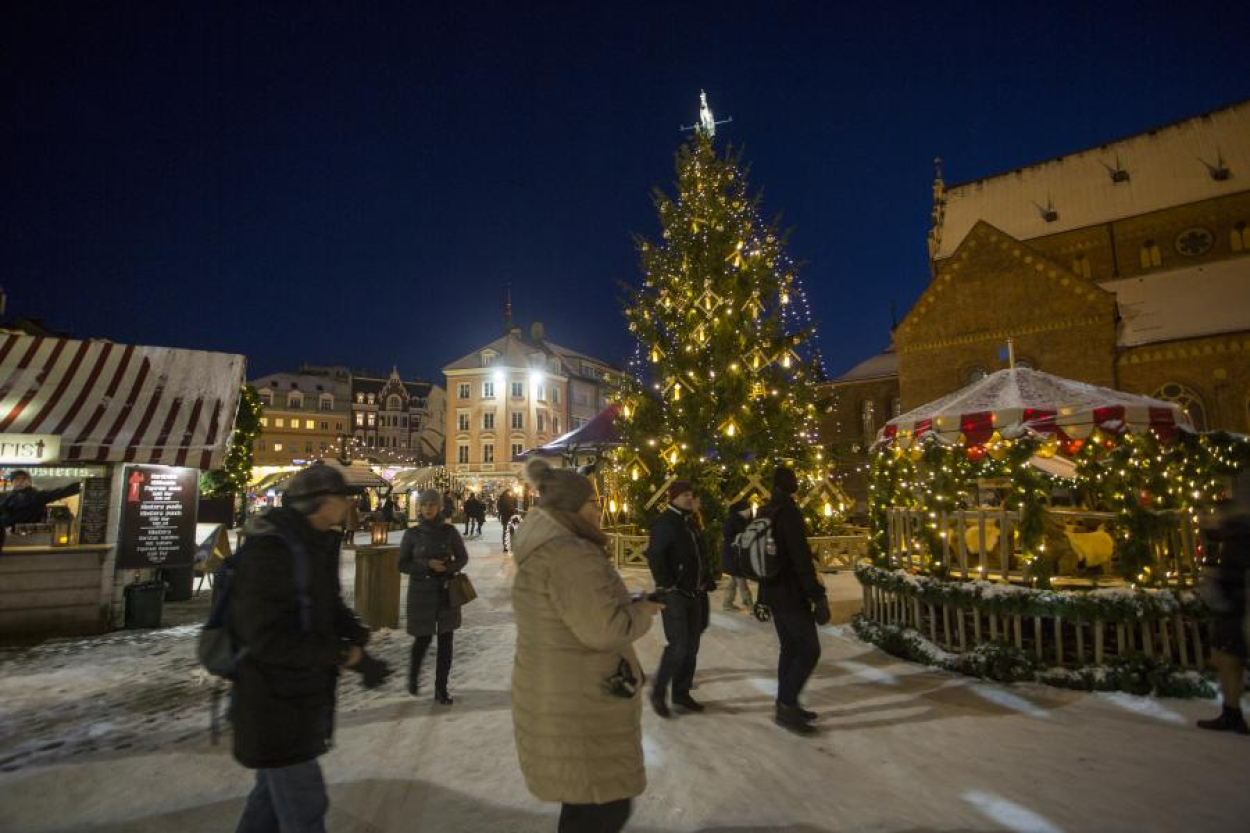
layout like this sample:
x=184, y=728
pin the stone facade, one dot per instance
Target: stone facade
x=397, y=421
x=306, y=416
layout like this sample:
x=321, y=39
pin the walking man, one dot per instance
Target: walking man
x=797, y=600
x=674, y=554
x=289, y=617
x=506, y=507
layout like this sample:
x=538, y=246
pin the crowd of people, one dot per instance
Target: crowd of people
x=577, y=685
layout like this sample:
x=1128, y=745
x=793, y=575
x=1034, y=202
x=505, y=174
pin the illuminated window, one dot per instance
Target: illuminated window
x=462, y=454
x=1239, y=237
x=868, y=419
x=310, y=424
x=279, y=422
x=540, y=392
x=264, y=422
x=1150, y=255
x=371, y=419
x=360, y=418
x=277, y=446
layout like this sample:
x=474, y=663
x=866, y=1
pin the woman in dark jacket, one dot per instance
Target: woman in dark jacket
x=431, y=553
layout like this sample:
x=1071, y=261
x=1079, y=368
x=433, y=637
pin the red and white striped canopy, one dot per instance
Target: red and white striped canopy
x=120, y=403
x=1018, y=401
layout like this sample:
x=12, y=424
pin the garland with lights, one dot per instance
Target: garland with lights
x=236, y=470
x=721, y=387
x=1141, y=477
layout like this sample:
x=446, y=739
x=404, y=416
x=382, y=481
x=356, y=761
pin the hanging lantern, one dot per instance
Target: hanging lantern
x=379, y=533
x=62, y=521
x=828, y=510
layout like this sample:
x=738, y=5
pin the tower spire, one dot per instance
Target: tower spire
x=507, y=309
x=939, y=210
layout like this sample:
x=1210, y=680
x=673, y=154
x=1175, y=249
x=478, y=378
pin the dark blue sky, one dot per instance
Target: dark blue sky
x=355, y=182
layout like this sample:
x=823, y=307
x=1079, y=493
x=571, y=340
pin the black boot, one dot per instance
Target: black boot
x=687, y=702
x=659, y=704
x=1230, y=720
x=443, y=698
x=791, y=717
x=808, y=716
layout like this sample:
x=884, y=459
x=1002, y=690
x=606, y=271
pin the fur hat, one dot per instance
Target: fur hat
x=785, y=480
x=560, y=489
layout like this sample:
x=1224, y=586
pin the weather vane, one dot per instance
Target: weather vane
x=707, y=122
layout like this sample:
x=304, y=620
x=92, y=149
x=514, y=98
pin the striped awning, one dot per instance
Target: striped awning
x=113, y=403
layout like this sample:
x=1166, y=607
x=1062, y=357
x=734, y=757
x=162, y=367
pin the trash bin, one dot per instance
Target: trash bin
x=180, y=583
x=377, y=586
x=145, y=602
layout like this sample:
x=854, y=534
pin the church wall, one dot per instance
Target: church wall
x=1216, y=369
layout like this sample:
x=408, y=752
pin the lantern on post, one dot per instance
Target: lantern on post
x=379, y=532
x=62, y=522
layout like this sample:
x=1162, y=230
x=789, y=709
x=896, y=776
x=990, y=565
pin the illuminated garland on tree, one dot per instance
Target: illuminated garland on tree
x=721, y=388
x=236, y=470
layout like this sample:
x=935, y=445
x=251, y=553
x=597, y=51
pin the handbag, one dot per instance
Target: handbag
x=460, y=590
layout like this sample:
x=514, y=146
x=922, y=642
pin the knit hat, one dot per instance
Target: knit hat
x=560, y=489
x=315, y=481
x=678, y=488
x=785, y=480
x=429, y=496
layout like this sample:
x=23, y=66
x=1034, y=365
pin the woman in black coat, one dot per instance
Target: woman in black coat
x=431, y=553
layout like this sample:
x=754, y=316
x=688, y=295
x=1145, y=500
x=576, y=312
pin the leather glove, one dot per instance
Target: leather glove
x=820, y=608
x=373, y=671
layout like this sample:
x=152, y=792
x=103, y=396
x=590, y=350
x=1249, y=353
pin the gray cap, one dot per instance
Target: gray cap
x=429, y=496
x=317, y=480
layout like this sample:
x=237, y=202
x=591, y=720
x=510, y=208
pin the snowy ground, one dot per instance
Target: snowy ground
x=110, y=733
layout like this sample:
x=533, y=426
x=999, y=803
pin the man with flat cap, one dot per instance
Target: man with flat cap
x=675, y=556
x=287, y=615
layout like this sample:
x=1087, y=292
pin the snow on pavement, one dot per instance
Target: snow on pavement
x=111, y=733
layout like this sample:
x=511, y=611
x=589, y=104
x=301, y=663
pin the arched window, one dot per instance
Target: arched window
x=975, y=374
x=392, y=403
x=294, y=401
x=868, y=420
x=1188, y=399
x=1150, y=255
x=1239, y=237
x=1081, y=266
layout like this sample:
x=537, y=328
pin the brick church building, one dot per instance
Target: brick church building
x=1125, y=265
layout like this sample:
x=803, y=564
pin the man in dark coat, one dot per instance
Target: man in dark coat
x=797, y=600
x=1227, y=535
x=287, y=613
x=676, y=561
x=431, y=553
x=25, y=504
x=737, y=516
x=506, y=507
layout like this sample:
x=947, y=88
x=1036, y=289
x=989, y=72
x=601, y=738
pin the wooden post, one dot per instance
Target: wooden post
x=1004, y=544
x=981, y=540
x=1180, y=639
x=915, y=609
x=959, y=620
x=1198, y=655
x=1098, y=626
x=1058, y=641
x=946, y=626
x=1080, y=643
x=1120, y=647
x=1037, y=637
x=1019, y=633
x=962, y=543
x=933, y=625
x=993, y=626
x=976, y=625
x=1147, y=644
x=1165, y=639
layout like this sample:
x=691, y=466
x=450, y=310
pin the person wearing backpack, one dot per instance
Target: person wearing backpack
x=675, y=558
x=797, y=600
x=739, y=514
x=287, y=613
x=431, y=553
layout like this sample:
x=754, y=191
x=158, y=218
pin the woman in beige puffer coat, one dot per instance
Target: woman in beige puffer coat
x=578, y=736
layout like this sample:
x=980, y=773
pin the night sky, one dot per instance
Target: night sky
x=355, y=182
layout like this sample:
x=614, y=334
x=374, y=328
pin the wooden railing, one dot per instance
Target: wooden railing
x=984, y=543
x=832, y=552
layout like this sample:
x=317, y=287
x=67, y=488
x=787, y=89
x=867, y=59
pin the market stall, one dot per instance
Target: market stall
x=1043, y=515
x=132, y=427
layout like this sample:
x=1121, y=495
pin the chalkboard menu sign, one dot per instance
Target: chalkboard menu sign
x=158, y=517
x=93, y=511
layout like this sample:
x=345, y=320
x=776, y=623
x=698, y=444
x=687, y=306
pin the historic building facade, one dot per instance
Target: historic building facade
x=517, y=393
x=397, y=421
x=1125, y=265
x=306, y=416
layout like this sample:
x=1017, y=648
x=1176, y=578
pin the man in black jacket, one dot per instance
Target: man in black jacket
x=287, y=613
x=26, y=504
x=506, y=507
x=675, y=557
x=797, y=600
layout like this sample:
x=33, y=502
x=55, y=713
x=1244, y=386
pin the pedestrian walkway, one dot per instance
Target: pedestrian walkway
x=111, y=734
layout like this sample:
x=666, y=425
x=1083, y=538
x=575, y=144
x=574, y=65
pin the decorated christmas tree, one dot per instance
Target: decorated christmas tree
x=721, y=388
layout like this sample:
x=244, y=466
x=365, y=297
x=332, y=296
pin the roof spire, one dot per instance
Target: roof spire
x=507, y=309
x=939, y=209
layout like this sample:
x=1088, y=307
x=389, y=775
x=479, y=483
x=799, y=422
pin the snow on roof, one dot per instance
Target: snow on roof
x=514, y=350
x=883, y=364
x=1184, y=303
x=1165, y=167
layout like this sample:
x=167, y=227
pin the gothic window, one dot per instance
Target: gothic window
x=1239, y=237
x=975, y=374
x=393, y=403
x=1150, y=255
x=1081, y=266
x=868, y=419
x=1188, y=399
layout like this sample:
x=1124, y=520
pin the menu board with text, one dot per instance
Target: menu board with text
x=158, y=517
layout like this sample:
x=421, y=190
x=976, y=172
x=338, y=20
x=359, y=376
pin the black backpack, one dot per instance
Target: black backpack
x=215, y=647
x=755, y=549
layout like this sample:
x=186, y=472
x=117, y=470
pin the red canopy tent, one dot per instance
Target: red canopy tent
x=597, y=434
x=1017, y=401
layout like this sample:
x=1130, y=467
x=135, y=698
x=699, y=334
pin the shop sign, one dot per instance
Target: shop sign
x=29, y=449
x=93, y=511
x=158, y=517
